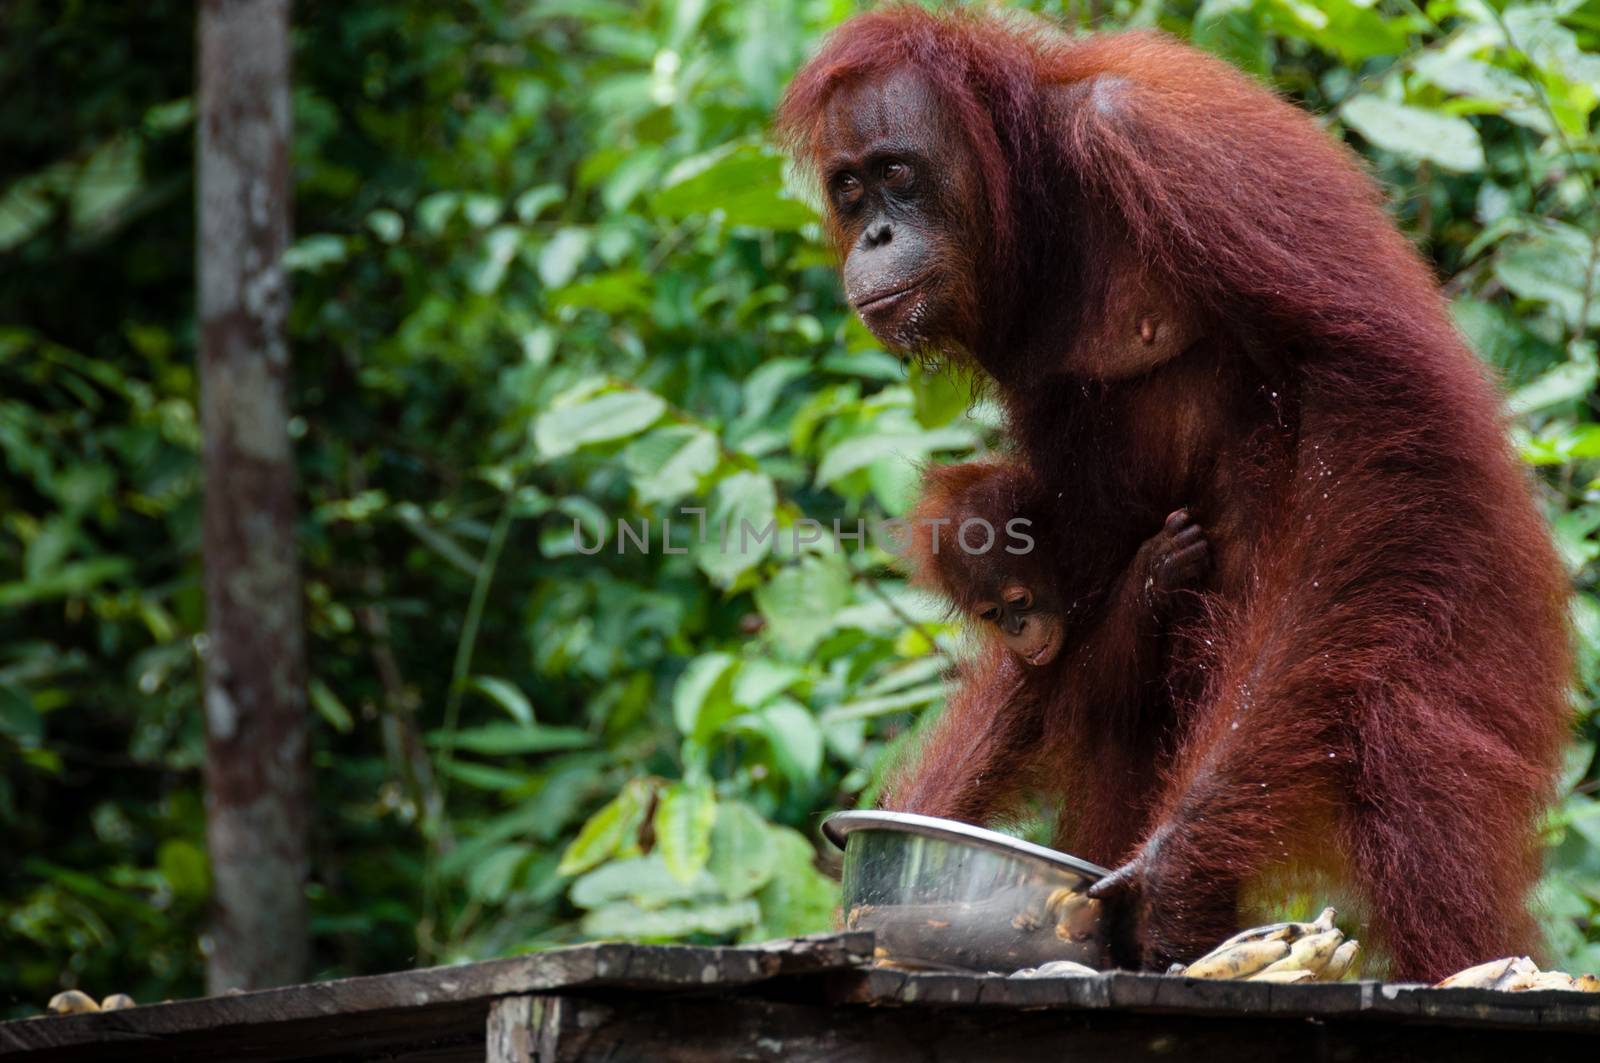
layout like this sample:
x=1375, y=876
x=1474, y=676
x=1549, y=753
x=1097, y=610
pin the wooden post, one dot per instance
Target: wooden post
x=257, y=767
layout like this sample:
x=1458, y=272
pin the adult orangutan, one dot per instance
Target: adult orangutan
x=1188, y=297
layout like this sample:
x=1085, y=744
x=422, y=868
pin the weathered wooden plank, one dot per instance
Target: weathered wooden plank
x=1579, y=1012
x=438, y=1002
x=821, y=1001
x=707, y=1029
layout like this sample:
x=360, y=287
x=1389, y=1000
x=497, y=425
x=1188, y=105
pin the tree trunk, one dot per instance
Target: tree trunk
x=257, y=767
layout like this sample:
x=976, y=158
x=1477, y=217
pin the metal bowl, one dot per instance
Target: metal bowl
x=939, y=894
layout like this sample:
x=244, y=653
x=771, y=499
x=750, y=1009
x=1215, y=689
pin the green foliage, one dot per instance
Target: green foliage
x=551, y=280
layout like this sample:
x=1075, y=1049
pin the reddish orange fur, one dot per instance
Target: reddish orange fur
x=1380, y=664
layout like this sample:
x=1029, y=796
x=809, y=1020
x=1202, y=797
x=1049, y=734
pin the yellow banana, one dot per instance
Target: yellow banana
x=1269, y=932
x=1587, y=983
x=118, y=1001
x=72, y=1002
x=1282, y=977
x=1239, y=960
x=1520, y=967
x=1343, y=958
x=1310, y=953
x=1483, y=976
x=1532, y=980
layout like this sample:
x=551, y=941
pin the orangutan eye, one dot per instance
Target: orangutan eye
x=991, y=613
x=1021, y=598
x=846, y=190
x=896, y=174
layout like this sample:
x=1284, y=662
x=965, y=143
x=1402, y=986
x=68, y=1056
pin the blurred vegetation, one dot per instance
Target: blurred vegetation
x=549, y=273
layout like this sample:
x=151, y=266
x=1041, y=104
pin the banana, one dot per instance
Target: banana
x=1483, y=976
x=1532, y=980
x=1238, y=960
x=1310, y=953
x=118, y=1001
x=1343, y=958
x=1062, y=899
x=1282, y=977
x=1520, y=966
x=1077, y=918
x=72, y=1002
x=1281, y=931
x=1518, y=974
x=1269, y=932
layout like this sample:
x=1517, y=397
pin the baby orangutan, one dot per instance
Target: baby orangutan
x=1052, y=702
x=1000, y=565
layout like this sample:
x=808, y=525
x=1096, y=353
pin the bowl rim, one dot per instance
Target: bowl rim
x=837, y=827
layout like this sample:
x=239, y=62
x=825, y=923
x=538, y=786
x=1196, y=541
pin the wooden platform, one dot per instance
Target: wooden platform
x=814, y=999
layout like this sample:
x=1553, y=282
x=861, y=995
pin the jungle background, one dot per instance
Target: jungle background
x=548, y=269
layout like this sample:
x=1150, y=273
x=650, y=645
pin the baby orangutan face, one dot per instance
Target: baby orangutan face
x=1027, y=620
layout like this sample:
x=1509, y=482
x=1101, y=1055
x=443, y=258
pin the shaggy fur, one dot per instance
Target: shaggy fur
x=1374, y=679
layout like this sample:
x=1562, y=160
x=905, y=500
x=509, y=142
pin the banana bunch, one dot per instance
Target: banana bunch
x=1284, y=953
x=77, y=1002
x=1517, y=974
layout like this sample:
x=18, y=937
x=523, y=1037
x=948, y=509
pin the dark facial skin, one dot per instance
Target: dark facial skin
x=1027, y=619
x=899, y=188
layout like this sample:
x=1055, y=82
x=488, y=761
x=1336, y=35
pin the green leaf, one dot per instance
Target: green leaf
x=1567, y=382
x=644, y=880
x=435, y=211
x=760, y=680
x=798, y=899
x=701, y=699
x=1575, y=765
x=683, y=822
x=490, y=879
x=560, y=258
x=795, y=738
x=742, y=854
x=632, y=176
x=18, y=718
x=486, y=777
x=69, y=580
x=614, y=828
x=764, y=386
x=870, y=365
x=923, y=694
x=107, y=183
x=937, y=397
x=609, y=416
x=386, y=225
x=1416, y=133
x=1551, y=267
x=506, y=739
x=313, y=253
x=617, y=291
x=858, y=452
x=532, y=203
x=670, y=462
x=500, y=246
x=329, y=707
x=741, y=527
x=507, y=696
x=802, y=600
x=744, y=184
x=481, y=209
x=623, y=919
x=1510, y=94
x=183, y=865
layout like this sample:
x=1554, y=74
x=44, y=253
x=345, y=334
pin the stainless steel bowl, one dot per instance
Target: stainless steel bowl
x=942, y=895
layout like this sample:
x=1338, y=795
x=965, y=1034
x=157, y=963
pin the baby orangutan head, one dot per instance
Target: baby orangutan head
x=973, y=541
